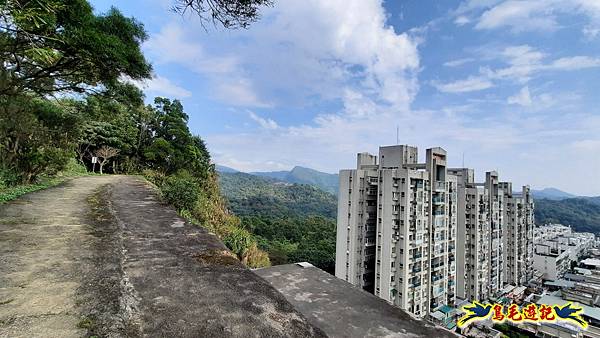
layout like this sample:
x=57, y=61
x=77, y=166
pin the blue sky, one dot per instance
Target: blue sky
x=512, y=85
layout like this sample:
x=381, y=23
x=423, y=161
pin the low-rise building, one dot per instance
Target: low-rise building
x=558, y=249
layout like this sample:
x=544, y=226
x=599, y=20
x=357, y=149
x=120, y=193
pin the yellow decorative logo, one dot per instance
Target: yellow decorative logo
x=528, y=313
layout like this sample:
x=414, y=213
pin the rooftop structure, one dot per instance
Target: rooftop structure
x=341, y=309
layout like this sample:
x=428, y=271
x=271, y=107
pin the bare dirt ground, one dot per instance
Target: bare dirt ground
x=101, y=256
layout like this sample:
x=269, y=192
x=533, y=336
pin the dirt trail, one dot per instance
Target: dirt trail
x=101, y=256
x=44, y=236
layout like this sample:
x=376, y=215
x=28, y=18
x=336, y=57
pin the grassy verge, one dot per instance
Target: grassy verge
x=12, y=192
x=199, y=201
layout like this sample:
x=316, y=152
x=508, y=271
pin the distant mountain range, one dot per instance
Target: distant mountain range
x=302, y=175
x=330, y=182
x=552, y=205
x=298, y=175
x=253, y=195
x=551, y=194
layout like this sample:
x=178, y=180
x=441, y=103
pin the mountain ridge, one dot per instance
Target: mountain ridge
x=552, y=194
x=298, y=174
x=330, y=182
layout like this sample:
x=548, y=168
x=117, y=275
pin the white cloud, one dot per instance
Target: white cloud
x=522, y=98
x=264, y=123
x=303, y=52
x=458, y=62
x=300, y=49
x=470, y=84
x=591, y=32
x=239, y=92
x=533, y=15
x=575, y=63
x=523, y=63
x=162, y=86
x=519, y=15
x=461, y=20
x=174, y=44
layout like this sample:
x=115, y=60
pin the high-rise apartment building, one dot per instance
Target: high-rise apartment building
x=473, y=237
x=421, y=235
x=410, y=220
x=356, y=223
x=480, y=247
x=518, y=238
x=496, y=224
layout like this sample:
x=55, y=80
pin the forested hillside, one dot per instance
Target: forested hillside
x=583, y=214
x=259, y=196
x=301, y=175
x=65, y=100
x=292, y=222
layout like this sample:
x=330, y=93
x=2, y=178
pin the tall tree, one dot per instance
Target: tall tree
x=173, y=146
x=53, y=46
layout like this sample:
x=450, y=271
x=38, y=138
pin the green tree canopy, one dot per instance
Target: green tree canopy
x=61, y=45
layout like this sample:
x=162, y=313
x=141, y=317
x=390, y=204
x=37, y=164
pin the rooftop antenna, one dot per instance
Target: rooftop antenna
x=397, y=134
x=463, y=159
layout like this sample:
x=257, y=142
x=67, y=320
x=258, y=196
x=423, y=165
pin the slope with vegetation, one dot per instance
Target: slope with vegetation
x=302, y=175
x=583, y=214
x=292, y=222
x=64, y=101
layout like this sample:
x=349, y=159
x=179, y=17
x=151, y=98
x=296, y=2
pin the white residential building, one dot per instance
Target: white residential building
x=414, y=228
x=420, y=235
x=518, y=235
x=556, y=247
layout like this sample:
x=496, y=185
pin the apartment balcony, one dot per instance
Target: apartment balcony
x=439, y=212
x=435, y=278
x=439, y=186
x=437, y=266
x=439, y=199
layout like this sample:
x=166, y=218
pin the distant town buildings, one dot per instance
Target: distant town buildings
x=424, y=236
x=557, y=248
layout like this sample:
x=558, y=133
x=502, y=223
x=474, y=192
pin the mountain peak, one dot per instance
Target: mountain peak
x=304, y=175
x=551, y=194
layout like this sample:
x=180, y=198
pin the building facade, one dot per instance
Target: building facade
x=421, y=235
x=414, y=228
x=473, y=237
x=518, y=241
x=356, y=223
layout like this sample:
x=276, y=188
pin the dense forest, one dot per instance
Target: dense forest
x=66, y=98
x=292, y=222
x=583, y=214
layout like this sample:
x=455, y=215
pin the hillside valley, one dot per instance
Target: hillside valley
x=292, y=222
x=303, y=192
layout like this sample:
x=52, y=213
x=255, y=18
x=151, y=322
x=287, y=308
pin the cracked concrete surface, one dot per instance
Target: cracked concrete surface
x=102, y=256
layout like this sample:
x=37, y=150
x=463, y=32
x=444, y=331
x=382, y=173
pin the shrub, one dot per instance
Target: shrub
x=73, y=168
x=8, y=178
x=181, y=190
x=256, y=258
x=239, y=241
x=156, y=177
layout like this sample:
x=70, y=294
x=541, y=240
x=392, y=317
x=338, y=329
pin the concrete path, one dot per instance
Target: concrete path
x=101, y=256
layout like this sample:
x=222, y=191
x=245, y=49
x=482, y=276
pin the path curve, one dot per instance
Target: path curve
x=102, y=256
